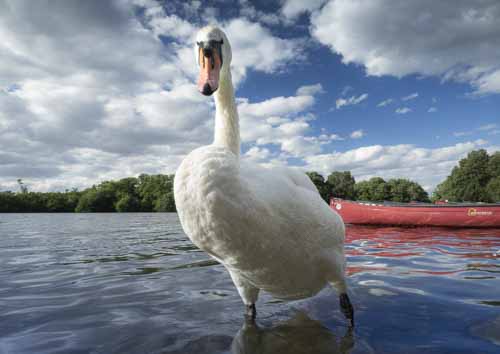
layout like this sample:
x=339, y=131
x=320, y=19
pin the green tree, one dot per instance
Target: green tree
x=375, y=189
x=403, y=191
x=165, y=203
x=362, y=190
x=468, y=180
x=58, y=202
x=127, y=203
x=494, y=165
x=397, y=190
x=10, y=203
x=341, y=185
x=493, y=189
x=151, y=188
x=100, y=199
x=417, y=193
x=319, y=182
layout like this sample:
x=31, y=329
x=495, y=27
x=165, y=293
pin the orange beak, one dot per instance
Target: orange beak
x=210, y=65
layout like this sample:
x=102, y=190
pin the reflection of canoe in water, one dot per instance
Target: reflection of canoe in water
x=418, y=214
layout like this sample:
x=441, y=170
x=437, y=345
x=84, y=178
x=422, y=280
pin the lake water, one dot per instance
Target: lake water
x=133, y=283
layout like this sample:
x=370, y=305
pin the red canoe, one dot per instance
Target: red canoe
x=418, y=214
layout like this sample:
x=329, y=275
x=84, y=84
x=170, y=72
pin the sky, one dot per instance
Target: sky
x=100, y=90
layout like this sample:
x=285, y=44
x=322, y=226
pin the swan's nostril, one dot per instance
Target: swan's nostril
x=207, y=90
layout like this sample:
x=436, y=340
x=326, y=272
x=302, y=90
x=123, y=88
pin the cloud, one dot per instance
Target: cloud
x=353, y=100
x=403, y=110
x=426, y=166
x=280, y=121
x=488, y=127
x=276, y=106
x=452, y=39
x=432, y=110
x=256, y=47
x=488, y=82
x=410, y=97
x=257, y=154
x=357, y=134
x=334, y=137
x=491, y=129
x=460, y=134
x=291, y=9
x=385, y=102
x=346, y=90
x=310, y=90
x=249, y=11
x=90, y=92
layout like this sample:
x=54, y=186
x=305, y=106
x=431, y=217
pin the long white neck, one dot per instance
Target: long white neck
x=227, y=126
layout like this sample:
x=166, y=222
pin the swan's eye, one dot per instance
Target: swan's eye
x=208, y=47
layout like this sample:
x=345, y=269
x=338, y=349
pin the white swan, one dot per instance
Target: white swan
x=268, y=226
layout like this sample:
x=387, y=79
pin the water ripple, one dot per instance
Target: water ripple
x=133, y=283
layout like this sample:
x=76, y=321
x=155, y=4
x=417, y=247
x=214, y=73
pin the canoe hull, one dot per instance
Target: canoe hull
x=418, y=215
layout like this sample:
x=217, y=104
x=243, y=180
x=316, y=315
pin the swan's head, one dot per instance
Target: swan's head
x=214, y=58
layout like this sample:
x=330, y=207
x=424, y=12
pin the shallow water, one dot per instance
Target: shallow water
x=133, y=283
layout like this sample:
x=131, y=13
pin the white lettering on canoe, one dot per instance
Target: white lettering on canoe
x=474, y=212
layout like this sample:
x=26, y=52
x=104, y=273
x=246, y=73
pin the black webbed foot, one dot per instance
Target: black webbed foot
x=251, y=312
x=346, y=307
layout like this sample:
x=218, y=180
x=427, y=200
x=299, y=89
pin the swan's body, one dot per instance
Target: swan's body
x=268, y=226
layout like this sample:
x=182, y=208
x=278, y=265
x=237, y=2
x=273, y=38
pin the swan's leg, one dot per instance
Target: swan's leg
x=346, y=307
x=345, y=303
x=251, y=311
x=248, y=293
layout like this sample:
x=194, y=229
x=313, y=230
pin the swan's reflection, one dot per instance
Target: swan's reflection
x=300, y=334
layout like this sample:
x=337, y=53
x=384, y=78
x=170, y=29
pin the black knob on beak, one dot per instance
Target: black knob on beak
x=207, y=52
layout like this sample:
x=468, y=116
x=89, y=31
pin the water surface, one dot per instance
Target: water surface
x=133, y=283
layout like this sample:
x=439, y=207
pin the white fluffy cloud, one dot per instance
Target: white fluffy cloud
x=257, y=154
x=249, y=11
x=293, y=8
x=283, y=122
x=426, y=166
x=357, y=134
x=309, y=90
x=89, y=91
x=454, y=39
x=410, y=97
x=403, y=110
x=353, y=100
x=385, y=102
x=257, y=48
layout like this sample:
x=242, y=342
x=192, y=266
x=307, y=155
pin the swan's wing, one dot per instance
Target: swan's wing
x=288, y=197
x=297, y=177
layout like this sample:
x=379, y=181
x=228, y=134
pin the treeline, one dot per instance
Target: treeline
x=146, y=193
x=475, y=179
x=343, y=185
